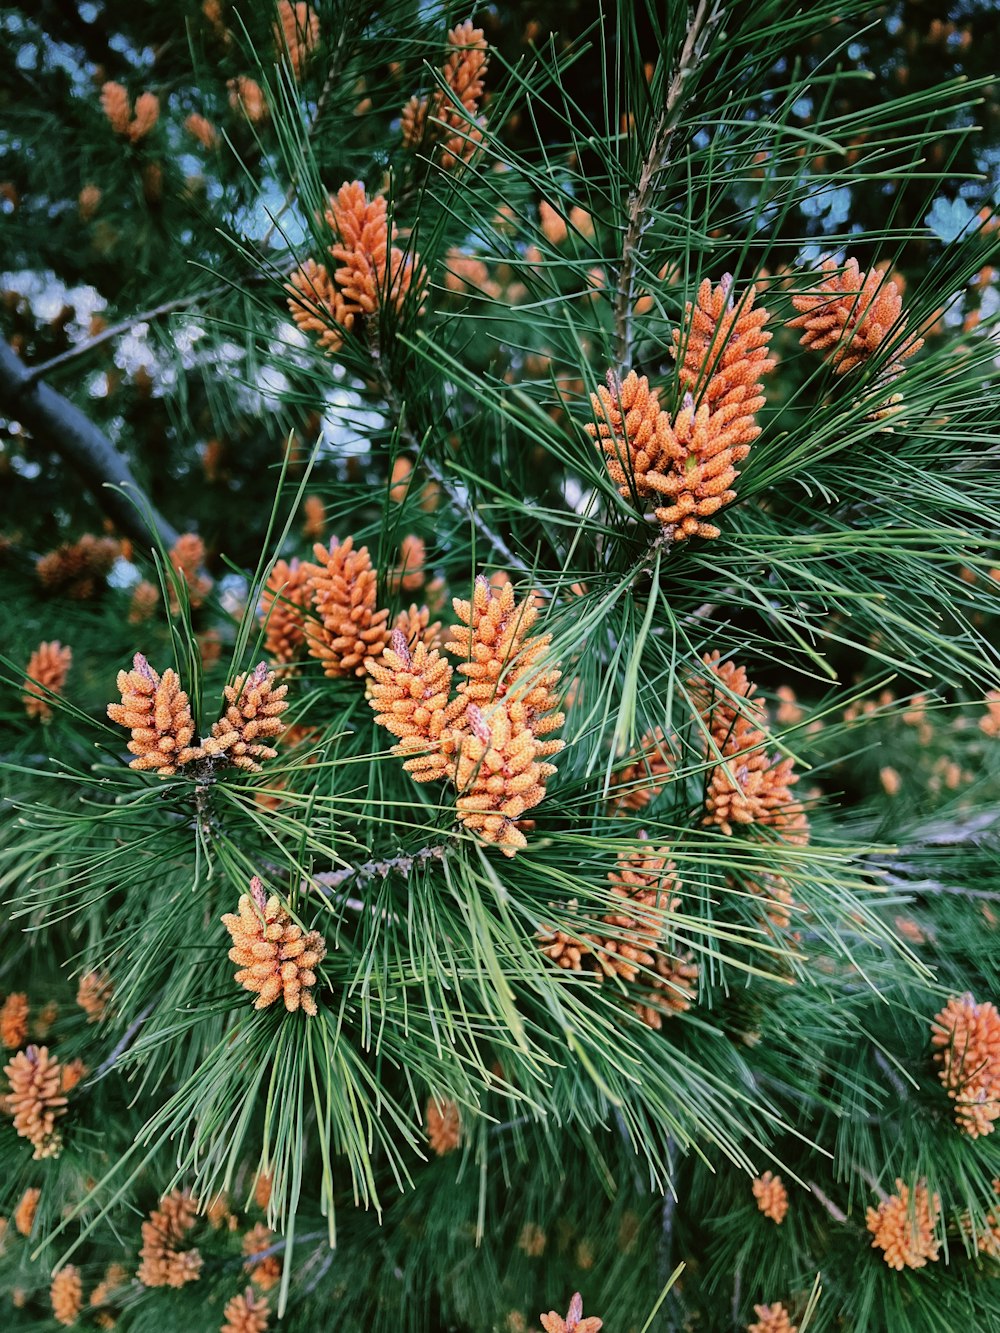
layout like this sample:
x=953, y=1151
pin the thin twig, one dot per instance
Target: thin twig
x=124, y=1043
x=706, y=16
x=44, y=368
x=836, y=1213
x=70, y=433
x=328, y=882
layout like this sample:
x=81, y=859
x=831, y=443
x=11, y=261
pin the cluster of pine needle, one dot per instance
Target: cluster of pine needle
x=556, y=869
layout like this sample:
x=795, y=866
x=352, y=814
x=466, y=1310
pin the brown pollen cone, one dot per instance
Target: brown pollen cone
x=373, y=271
x=24, y=1213
x=722, y=350
x=632, y=431
x=697, y=469
x=117, y=107
x=772, y=1319
x=345, y=595
x=265, y=1272
x=283, y=603
x=248, y=1313
x=48, y=666
x=500, y=658
x=409, y=693
x=93, y=995
x=36, y=1099
x=162, y=1262
x=646, y=883
x=276, y=956
x=849, y=315
x=317, y=305
x=66, y=1295
x=298, y=34
x=254, y=704
x=187, y=556
x=499, y=775
x=771, y=1196
x=574, y=1321
x=77, y=568
x=644, y=777
x=436, y=117
x=444, y=1126
x=14, y=1020
x=966, y=1038
x=157, y=712
x=903, y=1228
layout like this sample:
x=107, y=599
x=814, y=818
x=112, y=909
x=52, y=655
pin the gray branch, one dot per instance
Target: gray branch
x=65, y=429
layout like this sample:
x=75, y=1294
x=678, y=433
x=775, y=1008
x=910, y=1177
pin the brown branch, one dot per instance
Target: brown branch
x=704, y=21
x=72, y=435
x=836, y=1213
x=44, y=368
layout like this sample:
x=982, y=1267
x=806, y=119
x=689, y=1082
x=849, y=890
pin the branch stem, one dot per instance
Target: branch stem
x=700, y=28
x=72, y=435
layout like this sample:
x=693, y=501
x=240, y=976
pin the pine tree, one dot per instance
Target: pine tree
x=499, y=762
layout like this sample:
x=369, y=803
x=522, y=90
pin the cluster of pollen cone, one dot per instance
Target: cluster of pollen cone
x=682, y=464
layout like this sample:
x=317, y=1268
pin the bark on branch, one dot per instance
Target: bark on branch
x=703, y=22
x=62, y=427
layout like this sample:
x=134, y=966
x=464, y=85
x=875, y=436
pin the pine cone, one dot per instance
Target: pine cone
x=849, y=315
x=48, y=666
x=283, y=603
x=966, y=1036
x=771, y=1196
x=163, y=1263
x=905, y=1231
x=66, y=1295
x=345, y=595
x=276, y=956
x=36, y=1099
x=254, y=704
x=158, y=713
x=246, y=1314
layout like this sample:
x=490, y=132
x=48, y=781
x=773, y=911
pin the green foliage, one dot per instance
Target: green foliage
x=856, y=567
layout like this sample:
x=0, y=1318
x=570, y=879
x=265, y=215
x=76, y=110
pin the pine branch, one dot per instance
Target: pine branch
x=45, y=368
x=706, y=18
x=328, y=882
x=836, y=1213
x=73, y=436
